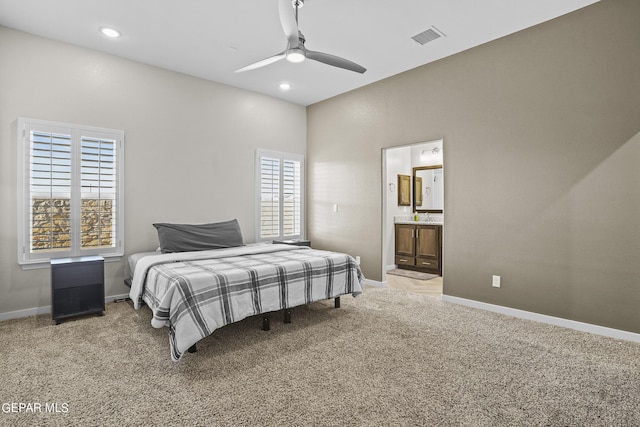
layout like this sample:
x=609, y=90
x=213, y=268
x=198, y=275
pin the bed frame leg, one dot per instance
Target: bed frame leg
x=337, y=303
x=266, y=322
x=287, y=315
x=192, y=349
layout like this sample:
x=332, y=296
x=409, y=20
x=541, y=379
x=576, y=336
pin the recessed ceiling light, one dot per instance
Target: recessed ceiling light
x=285, y=86
x=110, y=32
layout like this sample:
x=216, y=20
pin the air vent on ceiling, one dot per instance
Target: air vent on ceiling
x=428, y=35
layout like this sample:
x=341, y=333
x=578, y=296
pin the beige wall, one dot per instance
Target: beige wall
x=542, y=164
x=189, y=147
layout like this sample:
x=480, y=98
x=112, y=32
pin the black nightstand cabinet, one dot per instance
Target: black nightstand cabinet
x=77, y=287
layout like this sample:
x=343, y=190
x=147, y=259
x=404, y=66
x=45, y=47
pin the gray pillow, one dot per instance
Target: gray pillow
x=198, y=237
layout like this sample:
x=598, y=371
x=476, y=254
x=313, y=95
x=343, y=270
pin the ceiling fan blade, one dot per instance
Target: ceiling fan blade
x=335, y=61
x=289, y=22
x=262, y=63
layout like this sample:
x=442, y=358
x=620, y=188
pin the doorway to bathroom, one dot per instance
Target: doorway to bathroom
x=412, y=257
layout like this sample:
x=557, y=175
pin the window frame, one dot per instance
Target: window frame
x=282, y=156
x=28, y=259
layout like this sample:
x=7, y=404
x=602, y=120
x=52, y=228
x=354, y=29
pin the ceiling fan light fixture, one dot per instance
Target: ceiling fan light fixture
x=295, y=55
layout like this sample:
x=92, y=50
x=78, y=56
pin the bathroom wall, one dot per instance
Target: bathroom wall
x=398, y=161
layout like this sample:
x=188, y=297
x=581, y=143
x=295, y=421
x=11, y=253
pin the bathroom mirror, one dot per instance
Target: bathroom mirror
x=428, y=189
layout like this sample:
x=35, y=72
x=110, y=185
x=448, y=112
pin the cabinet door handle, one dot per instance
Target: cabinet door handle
x=403, y=260
x=426, y=263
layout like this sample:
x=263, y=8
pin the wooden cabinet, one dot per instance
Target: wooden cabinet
x=405, y=236
x=77, y=286
x=419, y=247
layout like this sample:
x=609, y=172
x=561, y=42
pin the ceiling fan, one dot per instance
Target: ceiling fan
x=296, y=51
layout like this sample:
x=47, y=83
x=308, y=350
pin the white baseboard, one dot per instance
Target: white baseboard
x=557, y=321
x=391, y=267
x=375, y=283
x=47, y=309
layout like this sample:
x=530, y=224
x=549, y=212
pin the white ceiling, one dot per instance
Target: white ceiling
x=211, y=38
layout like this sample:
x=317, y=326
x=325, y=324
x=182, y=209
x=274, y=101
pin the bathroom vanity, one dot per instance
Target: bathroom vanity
x=418, y=246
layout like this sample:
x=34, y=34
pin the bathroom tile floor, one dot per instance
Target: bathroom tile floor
x=431, y=287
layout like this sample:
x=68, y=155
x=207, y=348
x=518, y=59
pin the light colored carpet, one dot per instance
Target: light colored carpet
x=419, y=275
x=385, y=358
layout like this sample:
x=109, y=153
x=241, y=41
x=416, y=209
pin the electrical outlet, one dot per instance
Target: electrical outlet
x=495, y=282
x=335, y=207
x=358, y=260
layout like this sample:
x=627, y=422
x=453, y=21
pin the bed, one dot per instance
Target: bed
x=193, y=293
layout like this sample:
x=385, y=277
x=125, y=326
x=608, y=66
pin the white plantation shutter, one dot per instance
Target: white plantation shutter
x=279, y=195
x=291, y=203
x=269, y=197
x=49, y=213
x=98, y=193
x=70, y=195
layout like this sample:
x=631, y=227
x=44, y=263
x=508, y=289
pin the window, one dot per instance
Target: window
x=70, y=191
x=279, y=195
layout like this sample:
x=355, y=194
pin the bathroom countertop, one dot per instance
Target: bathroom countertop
x=420, y=222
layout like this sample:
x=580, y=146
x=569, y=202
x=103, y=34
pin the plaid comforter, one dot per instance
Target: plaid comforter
x=195, y=293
